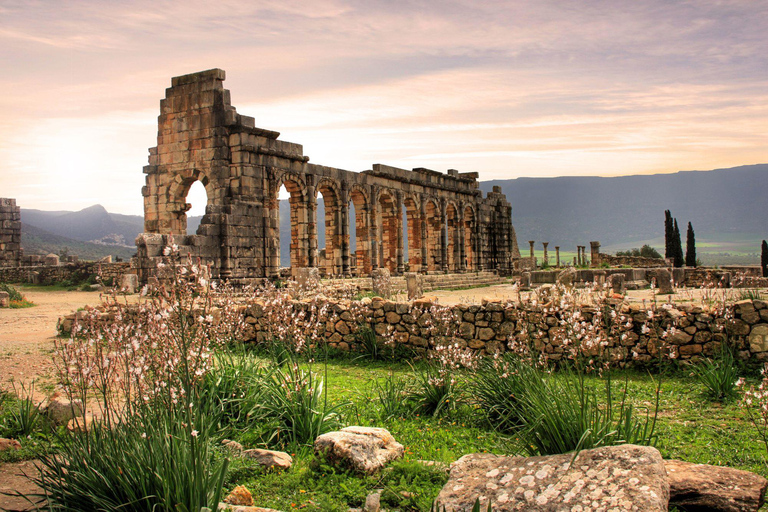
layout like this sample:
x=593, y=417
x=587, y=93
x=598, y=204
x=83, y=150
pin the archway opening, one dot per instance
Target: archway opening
x=328, y=230
x=196, y=203
x=293, y=227
x=360, y=256
x=389, y=232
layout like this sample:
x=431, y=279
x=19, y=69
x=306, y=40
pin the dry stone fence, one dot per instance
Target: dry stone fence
x=450, y=226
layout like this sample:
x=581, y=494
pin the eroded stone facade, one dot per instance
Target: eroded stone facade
x=10, y=233
x=450, y=226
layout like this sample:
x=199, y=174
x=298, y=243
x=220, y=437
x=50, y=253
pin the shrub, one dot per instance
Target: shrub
x=393, y=397
x=296, y=402
x=22, y=415
x=13, y=294
x=718, y=375
x=147, y=367
x=565, y=415
x=435, y=392
x=499, y=386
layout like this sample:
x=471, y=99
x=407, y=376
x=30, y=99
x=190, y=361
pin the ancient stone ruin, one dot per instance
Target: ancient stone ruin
x=450, y=226
x=10, y=233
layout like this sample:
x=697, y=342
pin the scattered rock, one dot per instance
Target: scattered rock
x=567, y=277
x=232, y=446
x=625, y=477
x=269, y=458
x=5, y=299
x=363, y=449
x=60, y=410
x=714, y=488
x=9, y=444
x=373, y=502
x=239, y=496
x=240, y=508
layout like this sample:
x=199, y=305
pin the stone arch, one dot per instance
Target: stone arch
x=389, y=231
x=469, y=258
x=299, y=219
x=362, y=260
x=413, y=225
x=452, y=236
x=332, y=262
x=433, y=228
x=178, y=190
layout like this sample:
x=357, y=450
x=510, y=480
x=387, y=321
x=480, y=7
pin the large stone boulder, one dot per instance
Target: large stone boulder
x=714, y=488
x=625, y=477
x=362, y=449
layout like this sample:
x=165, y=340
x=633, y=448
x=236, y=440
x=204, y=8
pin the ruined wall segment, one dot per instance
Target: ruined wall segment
x=451, y=227
x=10, y=233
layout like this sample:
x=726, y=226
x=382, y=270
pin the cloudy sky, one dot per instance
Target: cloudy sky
x=505, y=88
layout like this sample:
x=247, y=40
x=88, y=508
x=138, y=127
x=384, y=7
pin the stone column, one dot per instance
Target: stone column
x=462, y=252
x=546, y=256
x=399, y=223
x=557, y=255
x=373, y=230
x=424, y=236
x=533, y=258
x=344, y=232
x=311, y=224
x=443, y=237
x=595, y=249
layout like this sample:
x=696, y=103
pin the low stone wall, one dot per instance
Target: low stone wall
x=109, y=272
x=632, y=261
x=635, y=335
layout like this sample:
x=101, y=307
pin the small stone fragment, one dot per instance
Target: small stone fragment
x=9, y=444
x=269, y=458
x=239, y=496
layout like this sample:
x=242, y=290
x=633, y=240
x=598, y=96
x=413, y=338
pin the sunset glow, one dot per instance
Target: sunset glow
x=504, y=88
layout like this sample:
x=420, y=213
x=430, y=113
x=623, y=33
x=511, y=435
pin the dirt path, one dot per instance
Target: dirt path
x=26, y=343
x=26, y=335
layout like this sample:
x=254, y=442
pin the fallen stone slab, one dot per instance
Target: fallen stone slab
x=269, y=458
x=625, y=478
x=714, y=488
x=362, y=449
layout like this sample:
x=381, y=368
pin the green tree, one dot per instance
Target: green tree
x=764, y=259
x=690, y=247
x=647, y=251
x=668, y=234
x=677, y=247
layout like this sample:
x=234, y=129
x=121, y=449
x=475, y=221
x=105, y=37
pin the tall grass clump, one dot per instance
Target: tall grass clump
x=718, y=375
x=151, y=446
x=22, y=416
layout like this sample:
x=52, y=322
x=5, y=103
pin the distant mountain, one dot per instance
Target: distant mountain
x=92, y=223
x=727, y=207
x=38, y=241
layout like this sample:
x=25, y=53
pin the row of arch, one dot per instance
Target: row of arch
x=442, y=235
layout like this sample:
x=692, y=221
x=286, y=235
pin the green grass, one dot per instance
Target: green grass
x=689, y=427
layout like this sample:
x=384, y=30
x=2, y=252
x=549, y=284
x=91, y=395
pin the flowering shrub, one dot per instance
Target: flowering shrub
x=144, y=368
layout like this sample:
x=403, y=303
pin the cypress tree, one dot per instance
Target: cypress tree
x=764, y=259
x=677, y=249
x=690, y=247
x=668, y=232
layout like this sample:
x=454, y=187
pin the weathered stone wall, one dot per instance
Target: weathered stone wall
x=451, y=227
x=691, y=331
x=632, y=261
x=42, y=274
x=10, y=233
